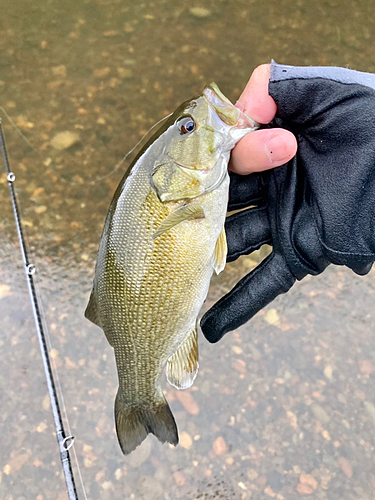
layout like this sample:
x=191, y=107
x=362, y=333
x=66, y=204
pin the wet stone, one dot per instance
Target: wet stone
x=320, y=413
x=125, y=72
x=200, y=12
x=65, y=140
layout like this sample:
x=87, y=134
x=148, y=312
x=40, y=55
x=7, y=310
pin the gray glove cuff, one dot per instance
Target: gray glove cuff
x=280, y=72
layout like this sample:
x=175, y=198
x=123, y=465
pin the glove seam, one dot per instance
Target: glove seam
x=295, y=261
x=345, y=76
x=248, y=250
x=351, y=254
x=245, y=204
x=319, y=78
x=337, y=252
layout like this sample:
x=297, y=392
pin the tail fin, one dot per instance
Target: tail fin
x=134, y=423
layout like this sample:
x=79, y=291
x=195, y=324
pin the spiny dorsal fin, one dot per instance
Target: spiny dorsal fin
x=191, y=211
x=182, y=366
x=220, y=253
x=91, y=312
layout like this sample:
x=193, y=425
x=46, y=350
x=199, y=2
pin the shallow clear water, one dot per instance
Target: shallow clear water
x=283, y=407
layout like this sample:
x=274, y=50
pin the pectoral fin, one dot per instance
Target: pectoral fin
x=220, y=254
x=173, y=183
x=188, y=212
x=182, y=366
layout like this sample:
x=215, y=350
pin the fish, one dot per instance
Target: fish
x=162, y=240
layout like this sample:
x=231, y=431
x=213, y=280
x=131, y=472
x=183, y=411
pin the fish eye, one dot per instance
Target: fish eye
x=186, y=125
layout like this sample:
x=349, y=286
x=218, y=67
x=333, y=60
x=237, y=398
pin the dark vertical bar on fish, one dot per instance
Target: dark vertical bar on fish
x=65, y=442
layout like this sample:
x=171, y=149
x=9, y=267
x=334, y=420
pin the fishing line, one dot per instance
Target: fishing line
x=65, y=441
x=18, y=130
x=129, y=157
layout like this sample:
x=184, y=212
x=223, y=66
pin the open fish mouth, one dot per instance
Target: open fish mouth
x=225, y=110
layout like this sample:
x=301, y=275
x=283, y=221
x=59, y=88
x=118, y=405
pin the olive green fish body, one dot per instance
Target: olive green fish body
x=162, y=239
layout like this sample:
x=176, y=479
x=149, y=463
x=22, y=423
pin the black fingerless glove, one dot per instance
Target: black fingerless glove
x=317, y=209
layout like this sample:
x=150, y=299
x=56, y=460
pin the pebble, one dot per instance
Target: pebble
x=101, y=72
x=5, y=290
x=220, y=446
x=59, y=70
x=17, y=461
x=240, y=366
x=272, y=317
x=292, y=419
x=110, y=33
x=200, y=12
x=252, y=474
x=269, y=492
x=54, y=353
x=179, y=478
x=366, y=367
x=23, y=123
x=125, y=72
x=188, y=402
x=185, y=440
x=107, y=485
x=236, y=349
x=65, y=140
x=41, y=427
x=328, y=372
x=308, y=479
x=345, y=466
x=320, y=413
x=304, y=489
x=40, y=209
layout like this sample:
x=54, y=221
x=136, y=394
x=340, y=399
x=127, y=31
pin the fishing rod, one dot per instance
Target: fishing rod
x=65, y=442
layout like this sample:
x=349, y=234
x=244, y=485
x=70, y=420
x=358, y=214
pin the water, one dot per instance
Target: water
x=281, y=407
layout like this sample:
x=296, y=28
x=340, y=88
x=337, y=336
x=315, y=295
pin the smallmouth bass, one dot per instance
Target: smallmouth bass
x=162, y=239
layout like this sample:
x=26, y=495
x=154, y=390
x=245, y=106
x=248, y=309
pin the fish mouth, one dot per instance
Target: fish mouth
x=225, y=110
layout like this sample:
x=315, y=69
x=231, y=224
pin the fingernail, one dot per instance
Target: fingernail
x=277, y=149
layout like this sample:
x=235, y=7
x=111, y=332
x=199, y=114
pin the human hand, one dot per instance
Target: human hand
x=315, y=210
x=265, y=148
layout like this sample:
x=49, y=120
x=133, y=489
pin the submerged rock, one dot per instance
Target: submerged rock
x=65, y=140
x=200, y=12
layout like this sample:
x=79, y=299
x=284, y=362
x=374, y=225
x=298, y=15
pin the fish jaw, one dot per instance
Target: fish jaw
x=228, y=120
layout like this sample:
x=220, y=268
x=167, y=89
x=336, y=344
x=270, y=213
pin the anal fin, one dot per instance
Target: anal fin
x=182, y=366
x=220, y=253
